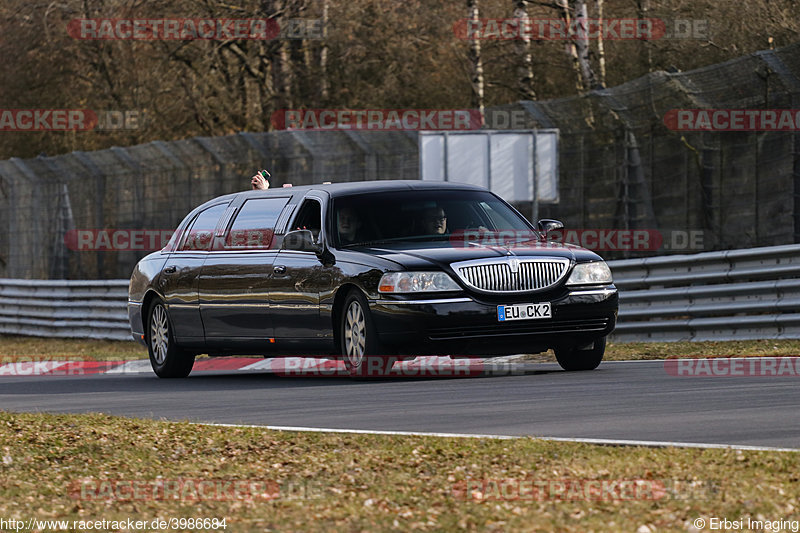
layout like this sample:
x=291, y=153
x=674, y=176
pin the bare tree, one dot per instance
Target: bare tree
x=571, y=47
x=577, y=48
x=643, y=8
x=601, y=51
x=582, y=44
x=523, y=53
x=475, y=63
x=325, y=84
x=375, y=53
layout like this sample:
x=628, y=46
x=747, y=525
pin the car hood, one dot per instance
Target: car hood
x=413, y=255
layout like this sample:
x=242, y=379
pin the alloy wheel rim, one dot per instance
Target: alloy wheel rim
x=355, y=329
x=159, y=334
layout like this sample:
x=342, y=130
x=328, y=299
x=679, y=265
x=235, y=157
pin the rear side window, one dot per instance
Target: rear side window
x=254, y=225
x=309, y=217
x=200, y=234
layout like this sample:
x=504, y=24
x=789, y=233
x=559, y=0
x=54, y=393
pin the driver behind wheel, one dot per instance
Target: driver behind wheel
x=434, y=221
x=349, y=225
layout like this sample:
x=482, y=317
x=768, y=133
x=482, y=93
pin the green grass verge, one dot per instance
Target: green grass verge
x=335, y=482
x=15, y=346
x=662, y=350
x=42, y=347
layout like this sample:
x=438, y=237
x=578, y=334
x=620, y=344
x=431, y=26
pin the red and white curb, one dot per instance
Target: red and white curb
x=290, y=366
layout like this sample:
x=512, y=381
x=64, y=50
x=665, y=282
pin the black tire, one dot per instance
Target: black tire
x=166, y=357
x=361, y=350
x=572, y=359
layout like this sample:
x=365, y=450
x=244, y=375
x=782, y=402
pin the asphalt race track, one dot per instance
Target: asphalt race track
x=620, y=400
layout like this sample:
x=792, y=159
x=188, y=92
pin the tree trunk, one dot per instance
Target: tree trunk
x=582, y=45
x=524, y=58
x=323, y=55
x=601, y=52
x=475, y=63
x=643, y=7
x=302, y=88
x=571, y=47
x=280, y=71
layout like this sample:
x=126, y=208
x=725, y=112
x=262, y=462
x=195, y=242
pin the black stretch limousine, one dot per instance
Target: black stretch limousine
x=365, y=271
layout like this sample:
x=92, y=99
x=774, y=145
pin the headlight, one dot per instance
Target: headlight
x=595, y=273
x=417, y=282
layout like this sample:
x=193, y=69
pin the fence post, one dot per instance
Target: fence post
x=6, y=221
x=99, y=201
x=59, y=268
x=138, y=210
x=206, y=144
x=370, y=162
x=34, y=222
x=303, y=140
x=793, y=84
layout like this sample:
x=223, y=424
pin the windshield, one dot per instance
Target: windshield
x=424, y=216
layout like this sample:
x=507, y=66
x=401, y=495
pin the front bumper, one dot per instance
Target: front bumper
x=468, y=326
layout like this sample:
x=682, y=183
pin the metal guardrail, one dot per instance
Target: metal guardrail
x=730, y=295
x=93, y=309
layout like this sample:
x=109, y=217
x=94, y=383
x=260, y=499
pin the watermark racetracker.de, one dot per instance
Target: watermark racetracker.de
x=194, y=490
x=39, y=120
x=400, y=119
x=184, y=29
x=126, y=239
x=378, y=366
x=596, y=239
x=732, y=367
x=732, y=119
x=377, y=119
x=556, y=29
x=581, y=489
x=54, y=365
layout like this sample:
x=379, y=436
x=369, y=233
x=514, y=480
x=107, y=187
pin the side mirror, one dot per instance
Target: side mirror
x=548, y=224
x=301, y=240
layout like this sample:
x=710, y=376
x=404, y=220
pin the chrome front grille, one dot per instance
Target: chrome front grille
x=512, y=274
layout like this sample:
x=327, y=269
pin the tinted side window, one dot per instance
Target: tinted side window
x=254, y=226
x=309, y=217
x=200, y=234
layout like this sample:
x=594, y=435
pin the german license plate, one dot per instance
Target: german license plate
x=523, y=311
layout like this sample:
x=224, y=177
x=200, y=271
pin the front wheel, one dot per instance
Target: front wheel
x=362, y=352
x=577, y=359
x=166, y=357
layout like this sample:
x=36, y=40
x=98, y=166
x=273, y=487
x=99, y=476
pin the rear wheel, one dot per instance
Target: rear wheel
x=167, y=359
x=577, y=359
x=362, y=352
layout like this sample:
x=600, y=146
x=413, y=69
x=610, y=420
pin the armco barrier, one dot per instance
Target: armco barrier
x=94, y=309
x=730, y=295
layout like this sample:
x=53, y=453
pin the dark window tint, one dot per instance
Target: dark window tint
x=201, y=233
x=425, y=215
x=309, y=217
x=254, y=226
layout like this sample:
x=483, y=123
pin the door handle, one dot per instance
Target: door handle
x=170, y=269
x=279, y=269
